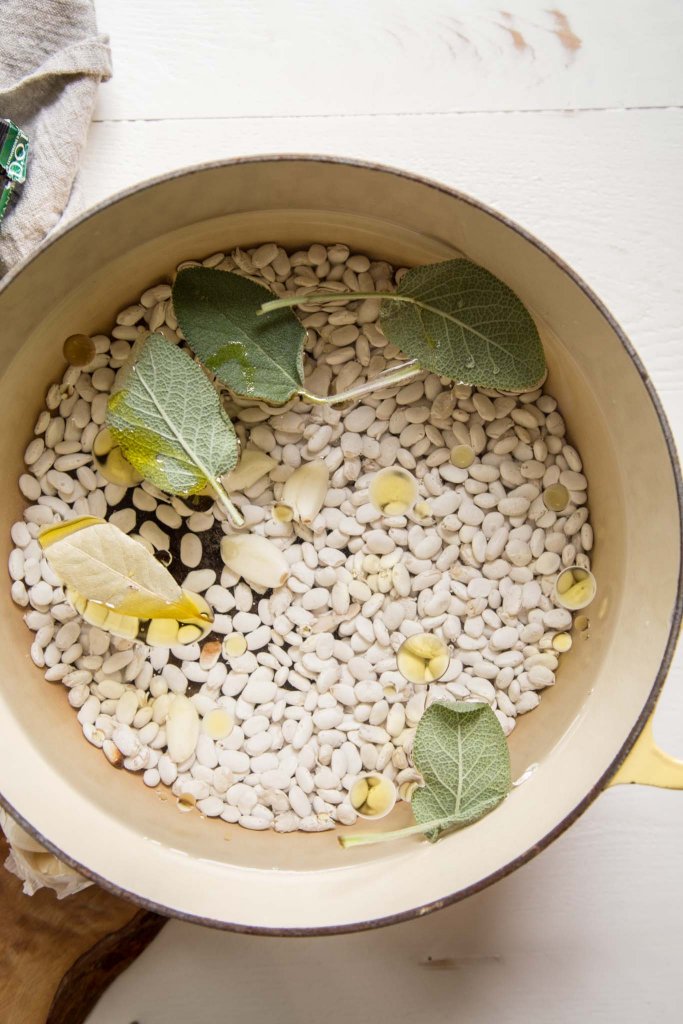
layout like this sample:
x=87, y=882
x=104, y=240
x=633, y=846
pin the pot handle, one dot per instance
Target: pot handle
x=648, y=765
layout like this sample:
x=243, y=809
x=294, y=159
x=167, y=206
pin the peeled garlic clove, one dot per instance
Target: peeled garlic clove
x=16, y=835
x=255, y=559
x=252, y=466
x=182, y=729
x=35, y=866
x=305, y=490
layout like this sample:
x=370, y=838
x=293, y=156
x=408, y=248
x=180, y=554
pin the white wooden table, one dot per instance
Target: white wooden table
x=569, y=121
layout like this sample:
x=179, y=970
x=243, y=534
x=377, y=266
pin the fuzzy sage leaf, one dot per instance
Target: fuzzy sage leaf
x=169, y=422
x=461, y=752
x=254, y=357
x=458, y=320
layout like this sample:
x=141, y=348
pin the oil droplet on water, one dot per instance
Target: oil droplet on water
x=556, y=497
x=234, y=352
x=372, y=795
x=198, y=502
x=562, y=642
x=282, y=513
x=111, y=463
x=234, y=645
x=462, y=456
x=79, y=350
x=575, y=588
x=217, y=724
x=423, y=658
x=423, y=510
x=393, y=491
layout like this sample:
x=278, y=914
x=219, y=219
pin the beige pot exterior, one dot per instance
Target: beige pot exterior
x=134, y=840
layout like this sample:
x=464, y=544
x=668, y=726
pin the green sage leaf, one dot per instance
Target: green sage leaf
x=258, y=357
x=461, y=752
x=462, y=322
x=169, y=422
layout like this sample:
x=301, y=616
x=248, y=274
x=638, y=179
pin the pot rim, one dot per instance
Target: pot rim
x=677, y=613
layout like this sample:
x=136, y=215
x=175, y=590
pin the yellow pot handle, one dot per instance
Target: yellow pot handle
x=648, y=765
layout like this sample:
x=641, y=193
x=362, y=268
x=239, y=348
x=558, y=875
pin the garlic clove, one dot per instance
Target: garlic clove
x=35, y=866
x=16, y=835
x=305, y=490
x=182, y=729
x=252, y=466
x=256, y=559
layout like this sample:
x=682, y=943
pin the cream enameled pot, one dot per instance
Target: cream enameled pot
x=582, y=736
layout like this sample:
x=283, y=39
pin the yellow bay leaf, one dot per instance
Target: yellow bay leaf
x=114, y=582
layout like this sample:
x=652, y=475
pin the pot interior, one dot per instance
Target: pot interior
x=134, y=838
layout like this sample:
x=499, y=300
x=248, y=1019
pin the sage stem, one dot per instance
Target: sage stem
x=224, y=499
x=395, y=375
x=323, y=297
x=387, y=837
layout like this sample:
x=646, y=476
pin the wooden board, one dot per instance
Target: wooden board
x=57, y=957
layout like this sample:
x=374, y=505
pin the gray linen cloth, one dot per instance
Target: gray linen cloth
x=51, y=62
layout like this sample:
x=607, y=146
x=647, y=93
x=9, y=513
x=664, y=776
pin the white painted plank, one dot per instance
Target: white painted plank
x=589, y=931
x=237, y=58
x=601, y=189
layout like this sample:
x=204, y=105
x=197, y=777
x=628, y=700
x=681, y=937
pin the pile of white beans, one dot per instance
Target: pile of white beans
x=317, y=697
